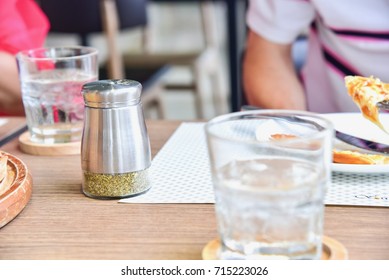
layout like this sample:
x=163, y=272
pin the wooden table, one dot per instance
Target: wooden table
x=61, y=223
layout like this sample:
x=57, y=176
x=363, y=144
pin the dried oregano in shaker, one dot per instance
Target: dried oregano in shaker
x=115, y=148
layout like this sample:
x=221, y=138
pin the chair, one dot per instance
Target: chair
x=95, y=16
x=205, y=64
x=113, y=16
x=109, y=17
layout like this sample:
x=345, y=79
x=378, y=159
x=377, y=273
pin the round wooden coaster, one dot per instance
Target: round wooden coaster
x=18, y=191
x=332, y=250
x=37, y=149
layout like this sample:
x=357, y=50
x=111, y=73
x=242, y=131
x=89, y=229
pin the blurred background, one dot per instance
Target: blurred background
x=177, y=50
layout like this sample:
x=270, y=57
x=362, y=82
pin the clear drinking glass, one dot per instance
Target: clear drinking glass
x=270, y=171
x=51, y=81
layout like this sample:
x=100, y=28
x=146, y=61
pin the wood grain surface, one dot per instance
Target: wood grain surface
x=60, y=222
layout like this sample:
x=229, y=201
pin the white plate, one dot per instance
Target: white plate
x=355, y=124
x=360, y=168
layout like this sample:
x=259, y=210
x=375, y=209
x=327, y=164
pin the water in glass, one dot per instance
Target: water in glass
x=54, y=105
x=270, y=208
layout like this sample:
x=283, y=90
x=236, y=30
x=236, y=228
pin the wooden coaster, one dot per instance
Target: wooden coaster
x=332, y=250
x=37, y=149
x=18, y=193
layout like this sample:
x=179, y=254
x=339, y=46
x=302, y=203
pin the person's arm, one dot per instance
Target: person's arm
x=269, y=78
x=10, y=94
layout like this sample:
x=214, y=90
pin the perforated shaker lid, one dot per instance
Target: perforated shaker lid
x=111, y=93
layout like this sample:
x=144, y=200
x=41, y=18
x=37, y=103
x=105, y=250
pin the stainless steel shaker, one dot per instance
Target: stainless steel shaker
x=115, y=147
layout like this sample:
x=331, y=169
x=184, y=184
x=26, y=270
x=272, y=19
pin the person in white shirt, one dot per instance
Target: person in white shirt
x=348, y=37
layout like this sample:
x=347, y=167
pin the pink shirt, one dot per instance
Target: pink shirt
x=348, y=37
x=22, y=25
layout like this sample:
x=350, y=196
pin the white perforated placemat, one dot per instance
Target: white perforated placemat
x=181, y=174
x=180, y=171
x=358, y=189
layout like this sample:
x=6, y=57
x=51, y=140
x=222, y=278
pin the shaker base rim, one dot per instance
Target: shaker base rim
x=114, y=197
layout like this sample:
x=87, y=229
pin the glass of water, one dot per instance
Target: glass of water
x=51, y=80
x=270, y=171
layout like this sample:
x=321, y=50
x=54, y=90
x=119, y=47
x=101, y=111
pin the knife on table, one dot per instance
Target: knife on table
x=10, y=130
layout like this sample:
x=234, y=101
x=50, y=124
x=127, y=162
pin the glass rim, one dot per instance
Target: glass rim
x=326, y=124
x=90, y=51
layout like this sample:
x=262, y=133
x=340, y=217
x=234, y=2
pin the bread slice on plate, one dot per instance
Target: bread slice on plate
x=353, y=157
